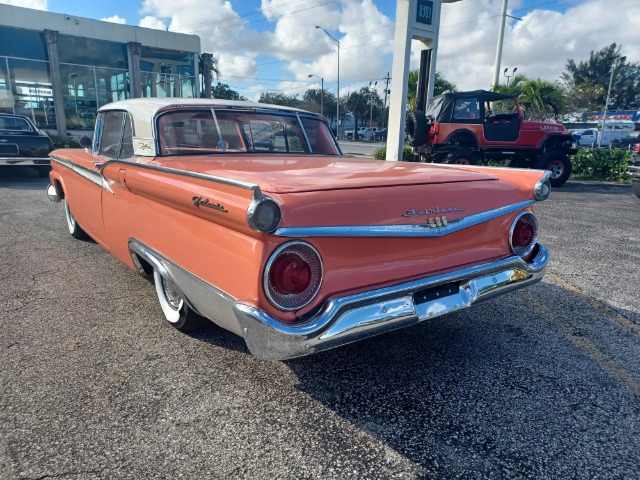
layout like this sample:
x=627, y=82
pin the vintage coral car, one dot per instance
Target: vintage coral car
x=248, y=215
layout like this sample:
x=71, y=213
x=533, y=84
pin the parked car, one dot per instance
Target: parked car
x=586, y=137
x=380, y=135
x=465, y=127
x=627, y=142
x=22, y=144
x=287, y=243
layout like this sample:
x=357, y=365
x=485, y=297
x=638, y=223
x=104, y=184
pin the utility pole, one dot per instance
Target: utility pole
x=386, y=91
x=496, y=67
x=371, y=102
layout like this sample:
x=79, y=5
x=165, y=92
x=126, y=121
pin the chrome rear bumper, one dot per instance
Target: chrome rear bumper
x=348, y=319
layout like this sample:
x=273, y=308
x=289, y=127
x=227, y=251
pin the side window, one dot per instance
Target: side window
x=126, y=151
x=111, y=136
x=466, y=109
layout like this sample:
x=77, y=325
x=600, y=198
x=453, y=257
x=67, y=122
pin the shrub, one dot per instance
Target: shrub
x=58, y=142
x=601, y=163
x=381, y=153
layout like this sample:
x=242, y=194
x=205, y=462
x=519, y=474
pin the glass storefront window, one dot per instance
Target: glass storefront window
x=6, y=95
x=32, y=92
x=87, y=51
x=113, y=85
x=16, y=42
x=79, y=96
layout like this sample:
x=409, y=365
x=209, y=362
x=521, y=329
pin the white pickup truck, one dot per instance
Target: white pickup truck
x=612, y=131
x=364, y=133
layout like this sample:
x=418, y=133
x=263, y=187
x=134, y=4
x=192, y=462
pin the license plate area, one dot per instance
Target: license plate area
x=436, y=293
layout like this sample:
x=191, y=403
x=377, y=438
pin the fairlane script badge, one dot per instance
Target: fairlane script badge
x=430, y=211
x=197, y=201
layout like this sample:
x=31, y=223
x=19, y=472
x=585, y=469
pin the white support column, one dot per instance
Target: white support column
x=415, y=20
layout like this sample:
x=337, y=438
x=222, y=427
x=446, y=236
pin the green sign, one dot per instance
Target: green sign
x=425, y=11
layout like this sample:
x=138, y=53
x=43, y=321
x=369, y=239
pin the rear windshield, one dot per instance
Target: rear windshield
x=193, y=132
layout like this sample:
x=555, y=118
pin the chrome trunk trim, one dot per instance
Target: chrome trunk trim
x=422, y=230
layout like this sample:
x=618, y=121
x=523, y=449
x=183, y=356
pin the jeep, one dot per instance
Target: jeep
x=468, y=127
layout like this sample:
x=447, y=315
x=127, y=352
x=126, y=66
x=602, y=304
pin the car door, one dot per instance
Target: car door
x=85, y=195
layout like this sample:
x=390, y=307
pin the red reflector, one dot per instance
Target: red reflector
x=290, y=274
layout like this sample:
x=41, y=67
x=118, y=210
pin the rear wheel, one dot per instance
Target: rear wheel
x=557, y=162
x=460, y=156
x=75, y=230
x=175, y=309
x=43, y=171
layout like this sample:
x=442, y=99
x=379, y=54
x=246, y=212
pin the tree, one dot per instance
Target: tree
x=541, y=99
x=587, y=82
x=358, y=105
x=279, y=99
x=202, y=70
x=314, y=97
x=222, y=90
x=441, y=85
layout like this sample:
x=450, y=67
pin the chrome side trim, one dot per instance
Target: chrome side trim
x=24, y=161
x=422, y=230
x=84, y=172
x=255, y=189
x=634, y=171
x=354, y=317
x=201, y=296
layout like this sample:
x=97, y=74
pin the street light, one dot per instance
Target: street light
x=321, y=92
x=606, y=103
x=338, y=92
x=509, y=77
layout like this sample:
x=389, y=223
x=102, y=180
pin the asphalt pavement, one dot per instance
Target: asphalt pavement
x=542, y=383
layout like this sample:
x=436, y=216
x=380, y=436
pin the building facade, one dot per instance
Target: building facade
x=58, y=69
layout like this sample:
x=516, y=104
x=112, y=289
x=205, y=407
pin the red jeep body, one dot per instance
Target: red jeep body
x=464, y=127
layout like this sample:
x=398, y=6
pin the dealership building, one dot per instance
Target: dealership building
x=59, y=69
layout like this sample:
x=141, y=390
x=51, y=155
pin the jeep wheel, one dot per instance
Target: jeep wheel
x=558, y=163
x=460, y=156
x=416, y=127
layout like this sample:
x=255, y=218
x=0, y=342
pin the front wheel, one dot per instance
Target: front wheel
x=557, y=162
x=175, y=309
x=75, y=230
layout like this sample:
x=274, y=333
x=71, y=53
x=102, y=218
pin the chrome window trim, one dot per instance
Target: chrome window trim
x=422, y=230
x=220, y=139
x=304, y=132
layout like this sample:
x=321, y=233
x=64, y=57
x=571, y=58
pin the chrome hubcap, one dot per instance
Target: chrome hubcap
x=171, y=293
x=556, y=167
x=71, y=222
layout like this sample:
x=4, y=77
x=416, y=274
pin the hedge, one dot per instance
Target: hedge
x=381, y=153
x=595, y=164
x=601, y=163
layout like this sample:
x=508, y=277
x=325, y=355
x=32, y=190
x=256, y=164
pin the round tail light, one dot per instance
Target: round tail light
x=293, y=276
x=524, y=234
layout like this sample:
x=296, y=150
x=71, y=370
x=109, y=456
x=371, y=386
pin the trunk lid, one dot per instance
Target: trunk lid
x=297, y=174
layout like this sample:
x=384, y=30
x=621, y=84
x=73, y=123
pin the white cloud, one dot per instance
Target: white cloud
x=152, y=22
x=115, y=19
x=538, y=46
x=36, y=4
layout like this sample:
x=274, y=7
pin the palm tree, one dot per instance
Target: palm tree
x=358, y=105
x=540, y=98
x=441, y=85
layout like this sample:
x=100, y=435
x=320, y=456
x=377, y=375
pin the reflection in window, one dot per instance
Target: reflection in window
x=32, y=91
x=87, y=51
x=16, y=42
x=6, y=95
x=111, y=134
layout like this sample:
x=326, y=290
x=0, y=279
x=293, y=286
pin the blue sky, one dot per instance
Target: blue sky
x=272, y=45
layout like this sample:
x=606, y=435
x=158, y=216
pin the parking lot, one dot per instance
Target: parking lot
x=540, y=383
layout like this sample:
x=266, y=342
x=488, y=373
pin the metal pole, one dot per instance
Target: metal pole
x=321, y=96
x=496, y=67
x=338, y=92
x=606, y=103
